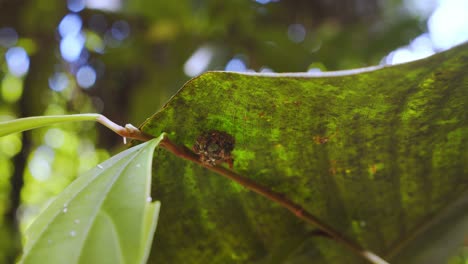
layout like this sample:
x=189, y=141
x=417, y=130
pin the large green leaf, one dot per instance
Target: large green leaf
x=105, y=216
x=376, y=153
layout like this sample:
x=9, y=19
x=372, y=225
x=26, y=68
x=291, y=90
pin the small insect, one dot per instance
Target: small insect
x=214, y=147
x=373, y=169
x=323, y=139
x=320, y=140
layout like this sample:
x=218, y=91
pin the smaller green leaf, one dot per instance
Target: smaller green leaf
x=104, y=216
x=22, y=124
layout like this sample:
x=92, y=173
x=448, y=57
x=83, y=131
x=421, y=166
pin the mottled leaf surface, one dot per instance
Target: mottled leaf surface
x=375, y=153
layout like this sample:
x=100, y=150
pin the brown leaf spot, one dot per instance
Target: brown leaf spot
x=215, y=147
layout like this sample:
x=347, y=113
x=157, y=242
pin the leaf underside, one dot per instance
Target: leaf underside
x=102, y=217
x=375, y=155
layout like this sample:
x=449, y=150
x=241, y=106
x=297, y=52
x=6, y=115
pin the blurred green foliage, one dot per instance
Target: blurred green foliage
x=137, y=75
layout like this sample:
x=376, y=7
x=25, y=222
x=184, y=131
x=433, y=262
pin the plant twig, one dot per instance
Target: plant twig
x=130, y=131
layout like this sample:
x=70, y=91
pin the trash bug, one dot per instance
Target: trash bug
x=214, y=147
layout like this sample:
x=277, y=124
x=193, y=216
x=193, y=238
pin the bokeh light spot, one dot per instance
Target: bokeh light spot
x=120, y=30
x=236, y=65
x=265, y=69
x=75, y=5
x=420, y=8
x=70, y=25
x=106, y=5
x=6, y=168
x=17, y=61
x=8, y=37
x=54, y=137
x=448, y=25
x=86, y=76
x=264, y=2
x=94, y=42
x=58, y=82
x=296, y=33
x=10, y=145
x=86, y=149
x=40, y=165
x=420, y=47
x=71, y=46
x=400, y=55
x=12, y=88
x=199, y=61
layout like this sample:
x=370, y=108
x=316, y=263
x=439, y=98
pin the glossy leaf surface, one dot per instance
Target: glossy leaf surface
x=104, y=216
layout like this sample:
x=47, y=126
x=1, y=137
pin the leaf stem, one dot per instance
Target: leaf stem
x=297, y=210
x=129, y=131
